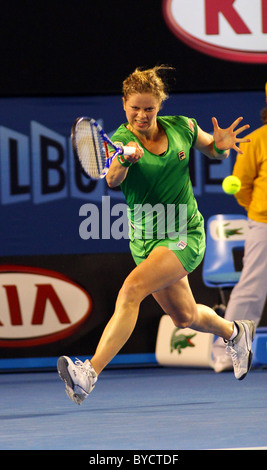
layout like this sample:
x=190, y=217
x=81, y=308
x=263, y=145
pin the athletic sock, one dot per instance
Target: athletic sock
x=235, y=332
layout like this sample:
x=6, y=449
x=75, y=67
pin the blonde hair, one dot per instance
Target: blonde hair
x=147, y=81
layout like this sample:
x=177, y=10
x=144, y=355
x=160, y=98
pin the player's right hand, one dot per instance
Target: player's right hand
x=135, y=156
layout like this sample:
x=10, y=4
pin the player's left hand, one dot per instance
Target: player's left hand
x=227, y=138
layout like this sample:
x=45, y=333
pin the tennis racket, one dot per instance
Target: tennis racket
x=90, y=147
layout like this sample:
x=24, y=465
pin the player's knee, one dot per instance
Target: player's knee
x=182, y=324
x=184, y=319
x=131, y=291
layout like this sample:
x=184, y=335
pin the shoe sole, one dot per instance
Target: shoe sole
x=250, y=356
x=62, y=368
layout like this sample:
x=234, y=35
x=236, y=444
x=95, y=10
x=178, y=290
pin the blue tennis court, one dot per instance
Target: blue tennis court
x=153, y=408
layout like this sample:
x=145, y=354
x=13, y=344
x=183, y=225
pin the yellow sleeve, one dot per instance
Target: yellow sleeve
x=246, y=169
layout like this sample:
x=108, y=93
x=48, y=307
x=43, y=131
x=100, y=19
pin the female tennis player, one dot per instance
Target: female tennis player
x=157, y=175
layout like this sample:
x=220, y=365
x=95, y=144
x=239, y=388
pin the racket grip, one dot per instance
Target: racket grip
x=129, y=150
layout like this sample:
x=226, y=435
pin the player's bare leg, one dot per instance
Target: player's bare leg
x=145, y=279
x=170, y=284
x=177, y=301
x=238, y=335
x=163, y=275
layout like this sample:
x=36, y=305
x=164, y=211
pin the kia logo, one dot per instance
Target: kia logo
x=39, y=306
x=227, y=29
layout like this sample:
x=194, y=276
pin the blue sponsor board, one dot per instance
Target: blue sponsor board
x=43, y=193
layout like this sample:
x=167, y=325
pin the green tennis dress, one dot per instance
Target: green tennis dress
x=162, y=209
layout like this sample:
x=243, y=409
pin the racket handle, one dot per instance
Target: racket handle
x=129, y=150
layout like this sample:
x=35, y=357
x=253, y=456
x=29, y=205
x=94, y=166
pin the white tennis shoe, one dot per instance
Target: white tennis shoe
x=240, y=348
x=79, y=377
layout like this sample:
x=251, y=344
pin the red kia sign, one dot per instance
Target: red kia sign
x=233, y=30
x=39, y=306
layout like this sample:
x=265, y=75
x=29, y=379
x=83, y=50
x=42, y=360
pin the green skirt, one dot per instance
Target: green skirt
x=189, y=247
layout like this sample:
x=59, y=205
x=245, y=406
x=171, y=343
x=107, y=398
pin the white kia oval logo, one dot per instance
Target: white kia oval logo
x=39, y=306
x=227, y=29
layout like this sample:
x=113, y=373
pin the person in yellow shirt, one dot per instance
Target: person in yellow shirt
x=248, y=297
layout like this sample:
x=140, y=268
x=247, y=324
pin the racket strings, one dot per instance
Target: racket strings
x=91, y=149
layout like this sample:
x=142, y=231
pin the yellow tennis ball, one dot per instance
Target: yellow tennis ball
x=231, y=184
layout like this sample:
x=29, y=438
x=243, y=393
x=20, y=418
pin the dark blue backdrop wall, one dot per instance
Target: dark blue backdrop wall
x=42, y=191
